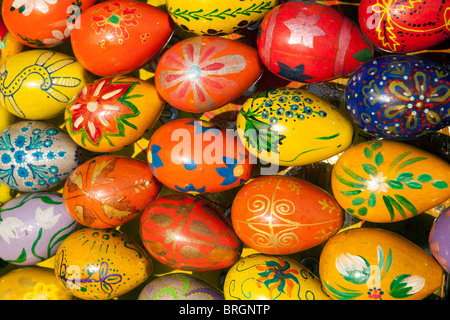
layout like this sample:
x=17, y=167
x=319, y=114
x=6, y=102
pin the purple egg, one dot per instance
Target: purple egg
x=32, y=226
x=440, y=239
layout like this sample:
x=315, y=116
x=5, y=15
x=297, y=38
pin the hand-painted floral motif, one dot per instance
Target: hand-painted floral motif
x=199, y=72
x=278, y=277
x=357, y=270
x=113, y=18
x=102, y=109
x=25, y=7
x=303, y=29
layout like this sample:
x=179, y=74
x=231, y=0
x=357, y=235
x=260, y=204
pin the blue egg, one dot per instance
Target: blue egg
x=35, y=156
x=399, y=97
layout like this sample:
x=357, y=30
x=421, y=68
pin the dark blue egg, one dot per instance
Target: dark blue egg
x=399, y=97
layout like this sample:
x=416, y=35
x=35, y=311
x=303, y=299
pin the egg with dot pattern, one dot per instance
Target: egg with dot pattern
x=292, y=127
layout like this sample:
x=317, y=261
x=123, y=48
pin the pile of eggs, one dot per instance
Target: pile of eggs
x=234, y=150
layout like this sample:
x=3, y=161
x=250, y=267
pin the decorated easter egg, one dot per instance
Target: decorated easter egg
x=32, y=283
x=120, y=36
x=284, y=215
x=36, y=156
x=179, y=286
x=6, y=119
x=216, y=18
x=186, y=233
x=399, y=96
x=45, y=23
x=376, y=264
x=95, y=264
x=439, y=239
x=112, y=112
x=109, y=190
x=204, y=73
x=396, y=26
x=267, y=277
x=292, y=127
x=309, y=42
x=10, y=45
x=32, y=227
x=386, y=181
x=6, y=193
x=195, y=156
x=36, y=78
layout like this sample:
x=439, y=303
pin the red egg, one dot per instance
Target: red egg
x=42, y=23
x=284, y=215
x=186, y=233
x=195, y=156
x=309, y=42
x=399, y=26
x=109, y=190
x=204, y=73
x=120, y=36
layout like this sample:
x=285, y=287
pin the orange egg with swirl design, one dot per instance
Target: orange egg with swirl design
x=284, y=215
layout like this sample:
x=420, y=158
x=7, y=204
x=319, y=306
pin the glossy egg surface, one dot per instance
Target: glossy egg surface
x=439, y=239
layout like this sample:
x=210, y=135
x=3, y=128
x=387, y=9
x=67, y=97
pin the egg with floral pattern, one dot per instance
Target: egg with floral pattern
x=109, y=190
x=399, y=97
x=439, y=239
x=377, y=264
x=45, y=23
x=267, y=277
x=200, y=74
x=32, y=226
x=112, y=113
x=120, y=36
x=32, y=283
x=36, y=156
x=101, y=264
x=196, y=156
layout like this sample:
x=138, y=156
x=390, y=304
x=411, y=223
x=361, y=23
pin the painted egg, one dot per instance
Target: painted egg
x=6, y=194
x=111, y=30
x=308, y=42
x=217, y=18
x=97, y=264
x=266, y=277
x=387, y=181
x=439, y=239
x=43, y=24
x=33, y=225
x=398, y=27
x=284, y=215
x=399, y=97
x=187, y=233
x=195, y=156
x=36, y=156
x=109, y=190
x=32, y=283
x=292, y=127
x=10, y=45
x=179, y=286
x=376, y=264
x=112, y=113
x=6, y=119
x=36, y=78
x=204, y=73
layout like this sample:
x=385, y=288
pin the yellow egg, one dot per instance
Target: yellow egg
x=266, y=277
x=6, y=118
x=387, y=181
x=96, y=264
x=38, y=84
x=214, y=18
x=32, y=283
x=376, y=264
x=292, y=127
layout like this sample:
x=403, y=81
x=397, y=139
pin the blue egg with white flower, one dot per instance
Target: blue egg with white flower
x=35, y=156
x=32, y=227
x=399, y=97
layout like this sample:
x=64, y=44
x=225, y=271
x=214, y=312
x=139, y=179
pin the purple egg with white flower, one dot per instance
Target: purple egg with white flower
x=32, y=227
x=35, y=156
x=399, y=97
x=439, y=239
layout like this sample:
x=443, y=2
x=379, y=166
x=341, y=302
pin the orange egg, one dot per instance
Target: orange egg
x=284, y=215
x=109, y=190
x=118, y=37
